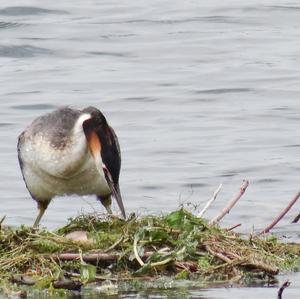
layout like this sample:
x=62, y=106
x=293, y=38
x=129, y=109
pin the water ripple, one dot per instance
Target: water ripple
x=151, y=187
x=4, y=25
x=34, y=107
x=140, y=99
x=284, y=7
x=223, y=90
x=204, y=19
x=28, y=10
x=111, y=54
x=267, y=180
x=292, y=145
x=6, y=124
x=194, y=185
x=22, y=51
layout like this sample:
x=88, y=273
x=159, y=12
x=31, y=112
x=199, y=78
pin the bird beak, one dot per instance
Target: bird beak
x=115, y=189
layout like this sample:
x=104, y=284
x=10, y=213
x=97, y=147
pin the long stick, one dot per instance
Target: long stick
x=281, y=214
x=208, y=204
x=231, y=203
x=97, y=257
x=281, y=289
x=90, y=257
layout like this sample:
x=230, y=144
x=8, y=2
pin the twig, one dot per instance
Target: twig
x=231, y=203
x=281, y=214
x=296, y=219
x=2, y=219
x=281, y=289
x=253, y=264
x=114, y=245
x=91, y=257
x=217, y=254
x=136, y=254
x=168, y=259
x=243, y=262
x=189, y=266
x=233, y=227
x=163, y=262
x=208, y=204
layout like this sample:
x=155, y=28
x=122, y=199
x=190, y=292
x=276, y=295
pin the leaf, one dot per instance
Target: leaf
x=155, y=257
x=184, y=274
x=143, y=270
x=156, y=234
x=176, y=218
x=87, y=273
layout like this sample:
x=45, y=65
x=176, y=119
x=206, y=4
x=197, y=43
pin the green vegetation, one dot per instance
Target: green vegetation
x=178, y=246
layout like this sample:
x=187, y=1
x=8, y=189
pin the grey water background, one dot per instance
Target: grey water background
x=199, y=92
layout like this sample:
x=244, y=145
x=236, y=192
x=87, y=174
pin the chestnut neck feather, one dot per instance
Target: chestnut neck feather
x=102, y=138
x=93, y=143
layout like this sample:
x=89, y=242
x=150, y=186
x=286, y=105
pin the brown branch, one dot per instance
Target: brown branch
x=91, y=257
x=296, y=219
x=281, y=214
x=233, y=227
x=231, y=203
x=258, y=265
x=281, y=289
x=217, y=254
x=67, y=284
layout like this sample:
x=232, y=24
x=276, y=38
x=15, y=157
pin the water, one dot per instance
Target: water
x=199, y=92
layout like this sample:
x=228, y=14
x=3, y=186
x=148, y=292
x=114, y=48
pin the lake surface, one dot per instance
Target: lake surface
x=199, y=92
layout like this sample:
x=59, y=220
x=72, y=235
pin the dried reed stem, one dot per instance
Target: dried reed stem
x=281, y=215
x=231, y=203
x=208, y=204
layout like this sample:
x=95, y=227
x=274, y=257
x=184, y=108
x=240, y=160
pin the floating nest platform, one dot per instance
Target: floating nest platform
x=179, y=245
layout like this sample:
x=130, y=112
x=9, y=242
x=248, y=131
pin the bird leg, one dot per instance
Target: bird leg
x=42, y=206
x=106, y=202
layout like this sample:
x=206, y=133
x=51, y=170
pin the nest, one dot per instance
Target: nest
x=92, y=248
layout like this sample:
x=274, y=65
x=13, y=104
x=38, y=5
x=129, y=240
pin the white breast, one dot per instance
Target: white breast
x=50, y=171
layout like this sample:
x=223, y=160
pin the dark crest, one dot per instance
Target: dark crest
x=110, y=150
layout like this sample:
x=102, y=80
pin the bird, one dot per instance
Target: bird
x=70, y=151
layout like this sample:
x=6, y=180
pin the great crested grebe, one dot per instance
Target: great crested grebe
x=70, y=151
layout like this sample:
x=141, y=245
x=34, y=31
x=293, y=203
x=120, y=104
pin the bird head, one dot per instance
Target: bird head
x=103, y=145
